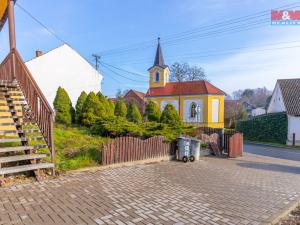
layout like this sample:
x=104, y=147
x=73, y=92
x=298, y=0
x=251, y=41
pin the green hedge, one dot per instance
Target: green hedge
x=266, y=128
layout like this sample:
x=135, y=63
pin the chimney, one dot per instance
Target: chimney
x=38, y=53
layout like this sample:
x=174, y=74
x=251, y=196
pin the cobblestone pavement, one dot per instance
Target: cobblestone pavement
x=247, y=190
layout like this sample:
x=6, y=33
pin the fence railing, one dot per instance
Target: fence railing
x=41, y=110
x=126, y=149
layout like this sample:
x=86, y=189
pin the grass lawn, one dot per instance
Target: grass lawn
x=76, y=148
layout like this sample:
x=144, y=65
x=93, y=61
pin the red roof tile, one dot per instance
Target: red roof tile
x=185, y=88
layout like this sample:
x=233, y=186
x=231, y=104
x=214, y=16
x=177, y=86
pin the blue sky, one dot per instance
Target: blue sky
x=97, y=26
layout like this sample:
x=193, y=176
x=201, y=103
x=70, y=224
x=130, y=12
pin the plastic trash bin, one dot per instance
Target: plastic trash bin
x=184, y=149
x=195, y=149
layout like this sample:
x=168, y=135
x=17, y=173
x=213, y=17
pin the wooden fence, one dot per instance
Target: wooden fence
x=126, y=149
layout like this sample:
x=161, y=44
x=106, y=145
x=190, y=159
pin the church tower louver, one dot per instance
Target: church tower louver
x=159, y=73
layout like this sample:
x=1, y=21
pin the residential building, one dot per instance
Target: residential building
x=64, y=67
x=258, y=111
x=286, y=98
x=196, y=101
x=137, y=97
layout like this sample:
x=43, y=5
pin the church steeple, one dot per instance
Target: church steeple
x=159, y=72
x=159, y=58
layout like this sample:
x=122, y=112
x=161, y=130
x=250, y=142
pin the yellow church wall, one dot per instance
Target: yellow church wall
x=207, y=108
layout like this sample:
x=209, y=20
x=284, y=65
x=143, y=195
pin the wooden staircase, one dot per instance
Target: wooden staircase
x=26, y=121
x=20, y=138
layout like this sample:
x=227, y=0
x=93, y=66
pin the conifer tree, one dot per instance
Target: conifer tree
x=152, y=112
x=79, y=105
x=63, y=107
x=170, y=116
x=120, y=108
x=133, y=113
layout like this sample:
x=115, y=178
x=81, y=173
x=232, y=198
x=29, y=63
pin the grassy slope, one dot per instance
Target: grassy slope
x=76, y=148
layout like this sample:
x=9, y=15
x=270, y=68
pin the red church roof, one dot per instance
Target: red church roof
x=200, y=87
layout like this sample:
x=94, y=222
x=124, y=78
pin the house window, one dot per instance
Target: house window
x=156, y=77
x=193, y=110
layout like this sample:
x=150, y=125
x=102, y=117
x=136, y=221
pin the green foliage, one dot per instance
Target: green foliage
x=76, y=148
x=266, y=128
x=109, y=110
x=92, y=110
x=63, y=107
x=152, y=112
x=79, y=107
x=133, y=113
x=116, y=127
x=170, y=116
x=120, y=108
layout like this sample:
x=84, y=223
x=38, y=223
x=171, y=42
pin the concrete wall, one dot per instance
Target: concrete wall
x=64, y=67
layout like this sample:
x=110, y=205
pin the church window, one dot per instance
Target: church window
x=193, y=111
x=156, y=78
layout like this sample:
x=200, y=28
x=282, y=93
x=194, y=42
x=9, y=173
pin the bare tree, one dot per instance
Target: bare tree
x=185, y=72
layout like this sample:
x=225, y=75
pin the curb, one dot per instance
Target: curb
x=125, y=164
x=279, y=216
x=270, y=145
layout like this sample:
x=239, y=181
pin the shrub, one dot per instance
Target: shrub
x=170, y=116
x=79, y=106
x=109, y=110
x=63, y=107
x=152, y=112
x=92, y=110
x=133, y=113
x=116, y=127
x=120, y=108
x=266, y=128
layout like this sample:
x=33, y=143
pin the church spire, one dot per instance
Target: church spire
x=159, y=58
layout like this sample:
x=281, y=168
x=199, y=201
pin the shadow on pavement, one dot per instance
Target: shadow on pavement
x=270, y=167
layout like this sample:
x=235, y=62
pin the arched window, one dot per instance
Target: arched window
x=193, y=111
x=156, y=78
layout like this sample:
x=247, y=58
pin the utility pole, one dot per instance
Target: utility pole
x=97, y=60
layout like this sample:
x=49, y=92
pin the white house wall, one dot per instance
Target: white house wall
x=187, y=110
x=293, y=127
x=276, y=103
x=66, y=68
x=215, y=110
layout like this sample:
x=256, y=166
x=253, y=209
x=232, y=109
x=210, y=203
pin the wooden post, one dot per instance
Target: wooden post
x=12, y=34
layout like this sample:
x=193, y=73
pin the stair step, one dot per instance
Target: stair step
x=18, y=169
x=12, y=99
x=16, y=117
x=13, y=104
x=16, y=124
x=8, y=84
x=16, y=158
x=21, y=148
x=9, y=89
x=9, y=140
x=11, y=110
x=24, y=131
x=4, y=94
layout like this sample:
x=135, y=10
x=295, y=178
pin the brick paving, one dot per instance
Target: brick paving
x=248, y=190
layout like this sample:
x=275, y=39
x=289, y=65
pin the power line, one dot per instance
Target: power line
x=40, y=23
x=223, y=23
x=134, y=73
x=97, y=60
x=120, y=75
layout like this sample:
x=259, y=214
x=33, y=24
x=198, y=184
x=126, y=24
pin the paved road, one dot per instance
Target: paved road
x=247, y=190
x=275, y=152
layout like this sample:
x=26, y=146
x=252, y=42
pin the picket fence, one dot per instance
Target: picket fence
x=127, y=149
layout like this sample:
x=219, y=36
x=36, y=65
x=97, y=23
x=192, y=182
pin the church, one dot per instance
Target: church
x=196, y=101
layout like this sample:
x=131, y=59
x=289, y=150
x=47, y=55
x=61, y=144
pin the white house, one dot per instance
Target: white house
x=258, y=112
x=64, y=67
x=286, y=98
